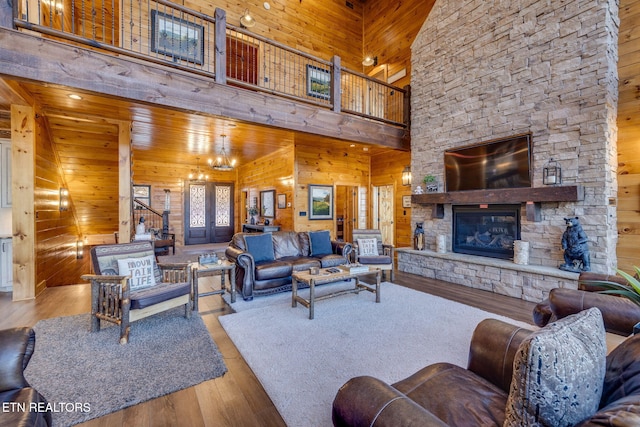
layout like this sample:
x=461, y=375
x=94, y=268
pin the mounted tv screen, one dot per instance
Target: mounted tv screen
x=503, y=163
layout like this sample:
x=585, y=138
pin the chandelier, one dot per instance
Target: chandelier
x=196, y=174
x=222, y=162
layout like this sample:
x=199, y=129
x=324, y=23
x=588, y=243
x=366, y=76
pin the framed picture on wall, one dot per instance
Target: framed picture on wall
x=282, y=201
x=318, y=82
x=267, y=203
x=320, y=201
x=143, y=194
x=177, y=38
x=406, y=201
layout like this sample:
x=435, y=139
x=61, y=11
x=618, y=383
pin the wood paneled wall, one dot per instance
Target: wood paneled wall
x=629, y=136
x=272, y=172
x=389, y=30
x=56, y=231
x=386, y=169
x=322, y=28
x=328, y=165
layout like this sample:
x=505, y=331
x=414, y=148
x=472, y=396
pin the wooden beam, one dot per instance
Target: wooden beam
x=221, y=46
x=23, y=143
x=24, y=56
x=124, y=183
x=569, y=193
x=336, y=84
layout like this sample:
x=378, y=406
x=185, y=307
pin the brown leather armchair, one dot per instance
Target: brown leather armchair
x=448, y=395
x=619, y=314
x=16, y=348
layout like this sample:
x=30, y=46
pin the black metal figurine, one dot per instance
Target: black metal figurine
x=576, y=249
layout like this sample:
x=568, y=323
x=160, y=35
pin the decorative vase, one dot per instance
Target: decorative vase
x=252, y=220
x=418, y=237
x=441, y=244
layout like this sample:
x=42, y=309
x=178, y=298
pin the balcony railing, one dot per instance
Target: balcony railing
x=171, y=34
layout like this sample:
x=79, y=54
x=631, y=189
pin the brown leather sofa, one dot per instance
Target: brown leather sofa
x=619, y=314
x=22, y=404
x=448, y=395
x=292, y=251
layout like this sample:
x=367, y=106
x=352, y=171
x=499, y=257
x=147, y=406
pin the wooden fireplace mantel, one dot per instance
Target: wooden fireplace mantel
x=533, y=197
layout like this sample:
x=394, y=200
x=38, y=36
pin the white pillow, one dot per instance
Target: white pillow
x=367, y=247
x=140, y=270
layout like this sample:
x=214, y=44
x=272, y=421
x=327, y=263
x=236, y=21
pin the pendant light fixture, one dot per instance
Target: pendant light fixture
x=222, y=162
x=196, y=174
x=246, y=20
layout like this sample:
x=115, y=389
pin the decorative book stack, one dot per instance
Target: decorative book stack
x=354, y=268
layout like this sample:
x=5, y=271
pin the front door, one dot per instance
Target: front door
x=208, y=212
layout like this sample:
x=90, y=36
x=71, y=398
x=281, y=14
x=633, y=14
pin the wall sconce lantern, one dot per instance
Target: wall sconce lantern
x=552, y=173
x=64, y=199
x=246, y=20
x=406, y=176
x=80, y=249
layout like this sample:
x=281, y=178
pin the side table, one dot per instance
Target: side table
x=206, y=270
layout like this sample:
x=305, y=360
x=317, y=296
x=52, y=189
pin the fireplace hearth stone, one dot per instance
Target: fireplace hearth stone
x=527, y=282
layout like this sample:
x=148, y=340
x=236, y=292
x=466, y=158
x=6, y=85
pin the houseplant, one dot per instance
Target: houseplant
x=253, y=212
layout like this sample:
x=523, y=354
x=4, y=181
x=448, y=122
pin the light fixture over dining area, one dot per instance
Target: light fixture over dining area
x=222, y=161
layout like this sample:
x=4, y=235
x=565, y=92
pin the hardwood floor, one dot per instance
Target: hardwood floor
x=237, y=398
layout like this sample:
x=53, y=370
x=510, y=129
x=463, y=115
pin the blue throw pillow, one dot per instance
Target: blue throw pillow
x=260, y=246
x=320, y=243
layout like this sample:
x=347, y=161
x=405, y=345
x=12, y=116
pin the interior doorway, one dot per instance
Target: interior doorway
x=346, y=200
x=209, y=212
x=383, y=212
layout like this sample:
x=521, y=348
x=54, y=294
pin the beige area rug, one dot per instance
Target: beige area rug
x=302, y=363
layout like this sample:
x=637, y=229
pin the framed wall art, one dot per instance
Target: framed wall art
x=143, y=194
x=177, y=38
x=282, y=201
x=267, y=203
x=320, y=201
x=318, y=82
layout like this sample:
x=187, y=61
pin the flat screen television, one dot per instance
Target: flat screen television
x=502, y=163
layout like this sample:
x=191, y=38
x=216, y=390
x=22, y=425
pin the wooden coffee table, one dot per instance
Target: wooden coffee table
x=328, y=277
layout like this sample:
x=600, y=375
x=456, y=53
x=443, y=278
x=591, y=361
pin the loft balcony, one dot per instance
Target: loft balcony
x=251, y=78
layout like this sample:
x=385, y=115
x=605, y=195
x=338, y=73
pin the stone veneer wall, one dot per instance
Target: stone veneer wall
x=490, y=69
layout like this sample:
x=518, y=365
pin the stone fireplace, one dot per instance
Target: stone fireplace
x=490, y=70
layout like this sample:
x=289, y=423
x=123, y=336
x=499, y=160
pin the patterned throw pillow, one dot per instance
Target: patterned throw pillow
x=140, y=270
x=558, y=373
x=367, y=247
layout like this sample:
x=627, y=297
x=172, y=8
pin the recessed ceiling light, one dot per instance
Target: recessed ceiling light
x=352, y=145
x=74, y=96
x=266, y=5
